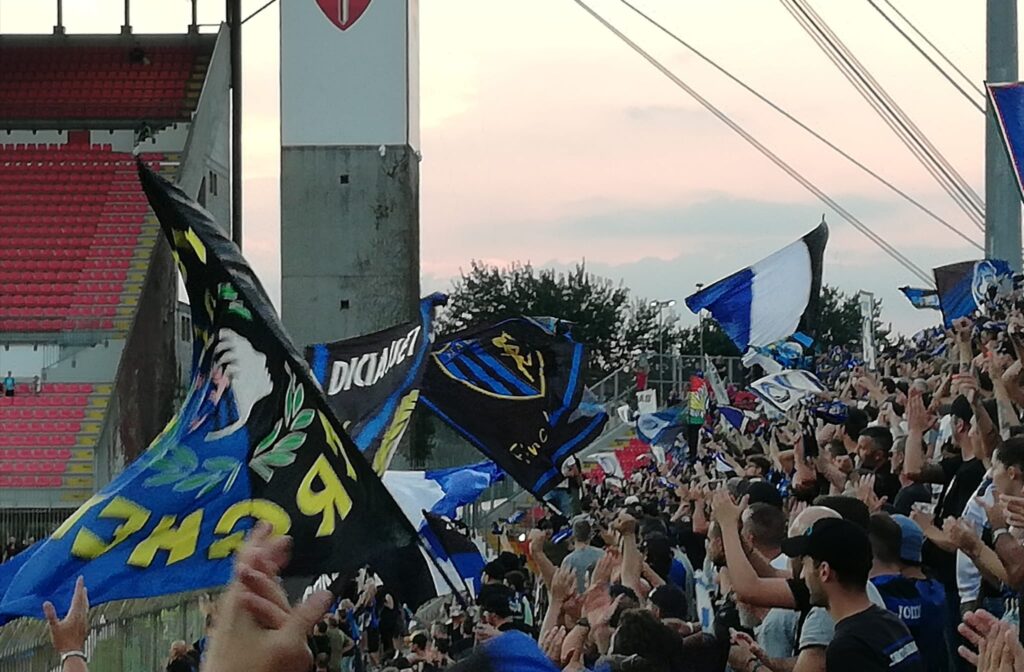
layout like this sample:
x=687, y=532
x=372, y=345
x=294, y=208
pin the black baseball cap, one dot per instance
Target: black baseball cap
x=497, y=600
x=764, y=492
x=840, y=543
x=670, y=601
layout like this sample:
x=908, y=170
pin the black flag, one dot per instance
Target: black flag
x=373, y=381
x=515, y=391
x=304, y=473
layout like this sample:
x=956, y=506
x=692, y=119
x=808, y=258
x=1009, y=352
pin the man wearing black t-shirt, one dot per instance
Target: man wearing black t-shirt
x=836, y=563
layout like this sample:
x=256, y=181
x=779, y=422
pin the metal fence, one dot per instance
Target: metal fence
x=130, y=636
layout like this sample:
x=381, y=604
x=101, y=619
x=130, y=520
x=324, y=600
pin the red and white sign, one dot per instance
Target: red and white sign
x=343, y=13
x=349, y=73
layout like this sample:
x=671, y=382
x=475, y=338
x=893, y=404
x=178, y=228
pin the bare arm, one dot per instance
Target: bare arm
x=747, y=585
x=545, y=567
x=915, y=466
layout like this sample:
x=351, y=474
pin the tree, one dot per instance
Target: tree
x=838, y=320
x=597, y=307
x=716, y=343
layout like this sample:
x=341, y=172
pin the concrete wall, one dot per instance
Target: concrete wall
x=207, y=149
x=147, y=378
x=349, y=240
x=89, y=364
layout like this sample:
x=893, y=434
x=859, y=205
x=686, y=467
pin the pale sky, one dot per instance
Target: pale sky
x=546, y=139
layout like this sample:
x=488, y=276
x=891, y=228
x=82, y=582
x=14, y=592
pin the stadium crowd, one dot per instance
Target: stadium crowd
x=878, y=527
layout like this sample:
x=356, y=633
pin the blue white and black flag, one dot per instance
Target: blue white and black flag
x=921, y=298
x=253, y=440
x=772, y=299
x=373, y=381
x=968, y=286
x=515, y=391
x=1008, y=103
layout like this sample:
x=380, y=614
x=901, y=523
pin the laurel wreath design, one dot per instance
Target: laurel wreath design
x=180, y=465
x=276, y=451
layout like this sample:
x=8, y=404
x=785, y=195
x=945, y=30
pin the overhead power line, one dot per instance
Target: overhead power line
x=970, y=82
x=707, y=59
x=956, y=85
x=887, y=108
x=774, y=158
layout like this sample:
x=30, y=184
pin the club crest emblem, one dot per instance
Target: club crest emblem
x=500, y=367
x=343, y=13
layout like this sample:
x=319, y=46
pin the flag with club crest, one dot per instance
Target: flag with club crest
x=254, y=440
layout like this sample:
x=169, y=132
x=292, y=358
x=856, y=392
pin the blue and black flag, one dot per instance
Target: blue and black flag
x=254, y=440
x=514, y=390
x=921, y=298
x=968, y=286
x=373, y=381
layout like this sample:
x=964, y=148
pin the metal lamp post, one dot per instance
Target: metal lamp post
x=661, y=306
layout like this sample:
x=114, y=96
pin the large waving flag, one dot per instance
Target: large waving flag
x=1008, y=103
x=966, y=286
x=515, y=391
x=373, y=381
x=254, y=440
x=424, y=496
x=921, y=298
x=441, y=491
x=772, y=299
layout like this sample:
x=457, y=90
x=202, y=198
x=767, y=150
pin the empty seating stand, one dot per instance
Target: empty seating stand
x=123, y=81
x=71, y=218
x=46, y=439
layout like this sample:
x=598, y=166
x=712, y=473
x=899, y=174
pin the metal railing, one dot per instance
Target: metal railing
x=135, y=635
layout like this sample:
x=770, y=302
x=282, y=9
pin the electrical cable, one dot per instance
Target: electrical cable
x=889, y=110
x=942, y=55
x=774, y=158
x=898, y=111
x=801, y=124
x=927, y=57
x=901, y=132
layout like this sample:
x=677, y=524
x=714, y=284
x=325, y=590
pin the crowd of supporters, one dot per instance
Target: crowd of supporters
x=879, y=527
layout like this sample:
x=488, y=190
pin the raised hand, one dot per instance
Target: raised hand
x=563, y=584
x=866, y=493
x=69, y=633
x=725, y=510
x=258, y=630
x=918, y=418
x=963, y=535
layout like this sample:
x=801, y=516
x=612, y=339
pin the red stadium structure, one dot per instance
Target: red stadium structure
x=90, y=325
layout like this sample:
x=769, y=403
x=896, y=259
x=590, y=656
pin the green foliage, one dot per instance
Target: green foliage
x=838, y=321
x=597, y=307
x=615, y=325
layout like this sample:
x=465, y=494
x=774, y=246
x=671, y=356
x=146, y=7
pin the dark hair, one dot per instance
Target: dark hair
x=420, y=640
x=856, y=421
x=517, y=580
x=658, y=554
x=850, y=508
x=886, y=537
x=761, y=462
x=1011, y=453
x=321, y=627
x=495, y=570
x=849, y=577
x=766, y=524
x=640, y=633
x=889, y=385
x=836, y=448
x=880, y=436
x=634, y=663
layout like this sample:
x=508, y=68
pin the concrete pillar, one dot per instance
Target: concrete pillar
x=1002, y=196
x=349, y=167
